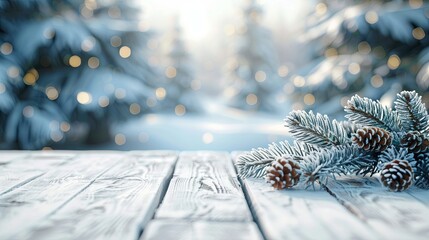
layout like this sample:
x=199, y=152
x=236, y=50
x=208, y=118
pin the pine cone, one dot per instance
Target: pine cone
x=397, y=175
x=415, y=141
x=372, y=139
x=283, y=173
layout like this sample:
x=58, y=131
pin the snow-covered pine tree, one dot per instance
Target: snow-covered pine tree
x=180, y=89
x=372, y=48
x=70, y=63
x=253, y=69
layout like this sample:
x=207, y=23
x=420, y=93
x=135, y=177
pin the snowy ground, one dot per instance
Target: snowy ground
x=227, y=130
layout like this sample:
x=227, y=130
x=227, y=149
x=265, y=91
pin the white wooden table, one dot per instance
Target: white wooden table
x=188, y=195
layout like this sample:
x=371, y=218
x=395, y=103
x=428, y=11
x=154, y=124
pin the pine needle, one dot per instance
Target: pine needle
x=316, y=129
x=367, y=112
x=412, y=111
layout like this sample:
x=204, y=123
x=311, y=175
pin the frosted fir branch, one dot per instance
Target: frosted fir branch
x=367, y=112
x=421, y=170
x=255, y=162
x=316, y=129
x=412, y=111
x=296, y=151
x=392, y=153
x=340, y=160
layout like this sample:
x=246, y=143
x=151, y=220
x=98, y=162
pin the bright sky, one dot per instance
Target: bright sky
x=205, y=22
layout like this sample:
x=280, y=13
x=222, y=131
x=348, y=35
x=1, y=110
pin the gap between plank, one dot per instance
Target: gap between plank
x=79, y=192
x=349, y=208
x=21, y=184
x=162, y=195
x=250, y=205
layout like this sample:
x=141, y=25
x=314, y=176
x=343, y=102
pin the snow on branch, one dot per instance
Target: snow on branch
x=316, y=129
x=412, y=111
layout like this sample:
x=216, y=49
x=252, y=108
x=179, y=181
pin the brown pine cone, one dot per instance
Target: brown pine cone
x=415, y=141
x=283, y=173
x=397, y=175
x=372, y=139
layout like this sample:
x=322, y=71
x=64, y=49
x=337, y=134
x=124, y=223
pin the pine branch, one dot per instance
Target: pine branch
x=421, y=170
x=412, y=111
x=365, y=111
x=297, y=150
x=338, y=160
x=316, y=129
x=392, y=153
x=255, y=162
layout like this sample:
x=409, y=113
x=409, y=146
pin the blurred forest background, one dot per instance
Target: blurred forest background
x=192, y=74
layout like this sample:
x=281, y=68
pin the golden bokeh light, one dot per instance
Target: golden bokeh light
x=309, y=99
x=251, y=99
x=51, y=93
x=125, y=52
x=65, y=126
x=283, y=71
x=371, y=17
x=377, y=81
x=103, y=101
x=364, y=47
x=260, y=76
x=13, y=72
x=135, y=108
x=180, y=110
x=418, y=33
x=84, y=98
x=160, y=93
x=120, y=139
x=93, y=62
x=170, y=72
x=393, y=62
x=299, y=81
x=354, y=68
x=120, y=93
x=331, y=52
x=75, y=61
x=6, y=48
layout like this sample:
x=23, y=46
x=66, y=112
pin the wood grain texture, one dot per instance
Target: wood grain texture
x=204, y=187
x=302, y=214
x=115, y=206
x=29, y=204
x=392, y=215
x=25, y=167
x=201, y=230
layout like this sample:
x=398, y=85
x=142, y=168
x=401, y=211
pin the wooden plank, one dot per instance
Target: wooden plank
x=201, y=230
x=390, y=214
x=30, y=203
x=204, y=187
x=302, y=214
x=26, y=167
x=115, y=206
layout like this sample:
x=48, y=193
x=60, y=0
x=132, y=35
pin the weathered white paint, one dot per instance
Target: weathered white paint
x=393, y=215
x=200, y=230
x=115, y=206
x=204, y=187
x=302, y=214
x=30, y=203
x=22, y=168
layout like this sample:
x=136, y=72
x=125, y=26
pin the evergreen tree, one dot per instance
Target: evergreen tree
x=179, y=87
x=253, y=69
x=373, y=48
x=69, y=63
